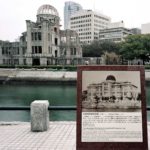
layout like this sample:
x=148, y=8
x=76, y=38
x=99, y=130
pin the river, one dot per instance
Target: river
x=23, y=95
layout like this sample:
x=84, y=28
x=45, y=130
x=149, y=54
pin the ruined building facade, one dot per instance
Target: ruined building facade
x=43, y=43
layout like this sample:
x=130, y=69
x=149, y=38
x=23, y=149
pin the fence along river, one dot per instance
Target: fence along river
x=58, y=95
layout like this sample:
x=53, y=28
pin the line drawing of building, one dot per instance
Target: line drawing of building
x=111, y=94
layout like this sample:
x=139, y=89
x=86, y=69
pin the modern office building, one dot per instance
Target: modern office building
x=145, y=28
x=87, y=24
x=43, y=43
x=116, y=32
x=70, y=8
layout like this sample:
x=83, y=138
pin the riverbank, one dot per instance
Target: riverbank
x=42, y=76
x=60, y=136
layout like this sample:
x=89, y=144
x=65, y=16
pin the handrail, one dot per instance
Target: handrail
x=28, y=108
x=49, y=108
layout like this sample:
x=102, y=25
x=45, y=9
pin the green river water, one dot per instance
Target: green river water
x=23, y=95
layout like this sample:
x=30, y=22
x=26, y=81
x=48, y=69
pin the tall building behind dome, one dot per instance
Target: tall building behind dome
x=44, y=43
x=87, y=24
x=70, y=8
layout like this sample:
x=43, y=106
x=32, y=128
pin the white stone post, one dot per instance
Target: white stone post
x=39, y=115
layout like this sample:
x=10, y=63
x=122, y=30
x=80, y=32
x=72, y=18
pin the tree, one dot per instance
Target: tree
x=136, y=46
x=97, y=48
x=111, y=58
x=92, y=50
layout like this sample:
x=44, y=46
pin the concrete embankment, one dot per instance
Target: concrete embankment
x=20, y=76
x=41, y=76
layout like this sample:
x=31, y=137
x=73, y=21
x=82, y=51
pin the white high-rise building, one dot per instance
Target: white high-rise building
x=146, y=28
x=87, y=23
x=70, y=8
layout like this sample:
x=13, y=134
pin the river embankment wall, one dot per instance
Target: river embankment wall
x=42, y=76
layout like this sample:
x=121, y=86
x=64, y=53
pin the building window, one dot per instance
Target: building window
x=36, y=50
x=55, y=30
x=32, y=49
x=3, y=52
x=50, y=49
x=18, y=50
x=32, y=36
x=24, y=61
x=40, y=49
x=35, y=36
x=16, y=61
x=23, y=50
x=3, y=61
x=39, y=36
x=73, y=51
x=56, y=41
x=48, y=36
x=56, y=53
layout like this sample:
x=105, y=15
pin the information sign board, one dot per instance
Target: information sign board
x=111, y=108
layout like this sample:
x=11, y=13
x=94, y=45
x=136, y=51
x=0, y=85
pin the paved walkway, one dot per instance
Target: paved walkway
x=60, y=136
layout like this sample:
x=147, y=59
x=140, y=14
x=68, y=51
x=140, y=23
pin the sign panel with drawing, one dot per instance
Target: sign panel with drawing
x=111, y=111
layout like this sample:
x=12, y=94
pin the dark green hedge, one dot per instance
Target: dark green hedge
x=49, y=67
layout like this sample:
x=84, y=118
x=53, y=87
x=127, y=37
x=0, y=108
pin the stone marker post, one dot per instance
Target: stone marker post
x=39, y=115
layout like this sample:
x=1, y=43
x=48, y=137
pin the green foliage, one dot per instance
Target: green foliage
x=49, y=67
x=136, y=46
x=97, y=48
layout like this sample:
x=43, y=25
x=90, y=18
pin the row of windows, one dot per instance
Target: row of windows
x=10, y=50
x=36, y=49
x=95, y=33
x=79, y=17
x=96, y=29
x=85, y=33
x=114, y=39
x=85, y=42
x=101, y=22
x=111, y=35
x=73, y=51
x=11, y=61
x=81, y=21
x=85, y=37
x=85, y=29
x=36, y=36
x=100, y=17
x=82, y=25
x=100, y=26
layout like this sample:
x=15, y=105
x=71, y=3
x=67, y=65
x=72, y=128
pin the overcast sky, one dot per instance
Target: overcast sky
x=13, y=13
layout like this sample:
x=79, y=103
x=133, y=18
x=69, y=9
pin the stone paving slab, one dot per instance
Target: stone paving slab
x=60, y=136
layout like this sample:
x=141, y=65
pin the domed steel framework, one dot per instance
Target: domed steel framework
x=111, y=77
x=48, y=10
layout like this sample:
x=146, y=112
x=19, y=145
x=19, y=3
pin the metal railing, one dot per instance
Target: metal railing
x=49, y=108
